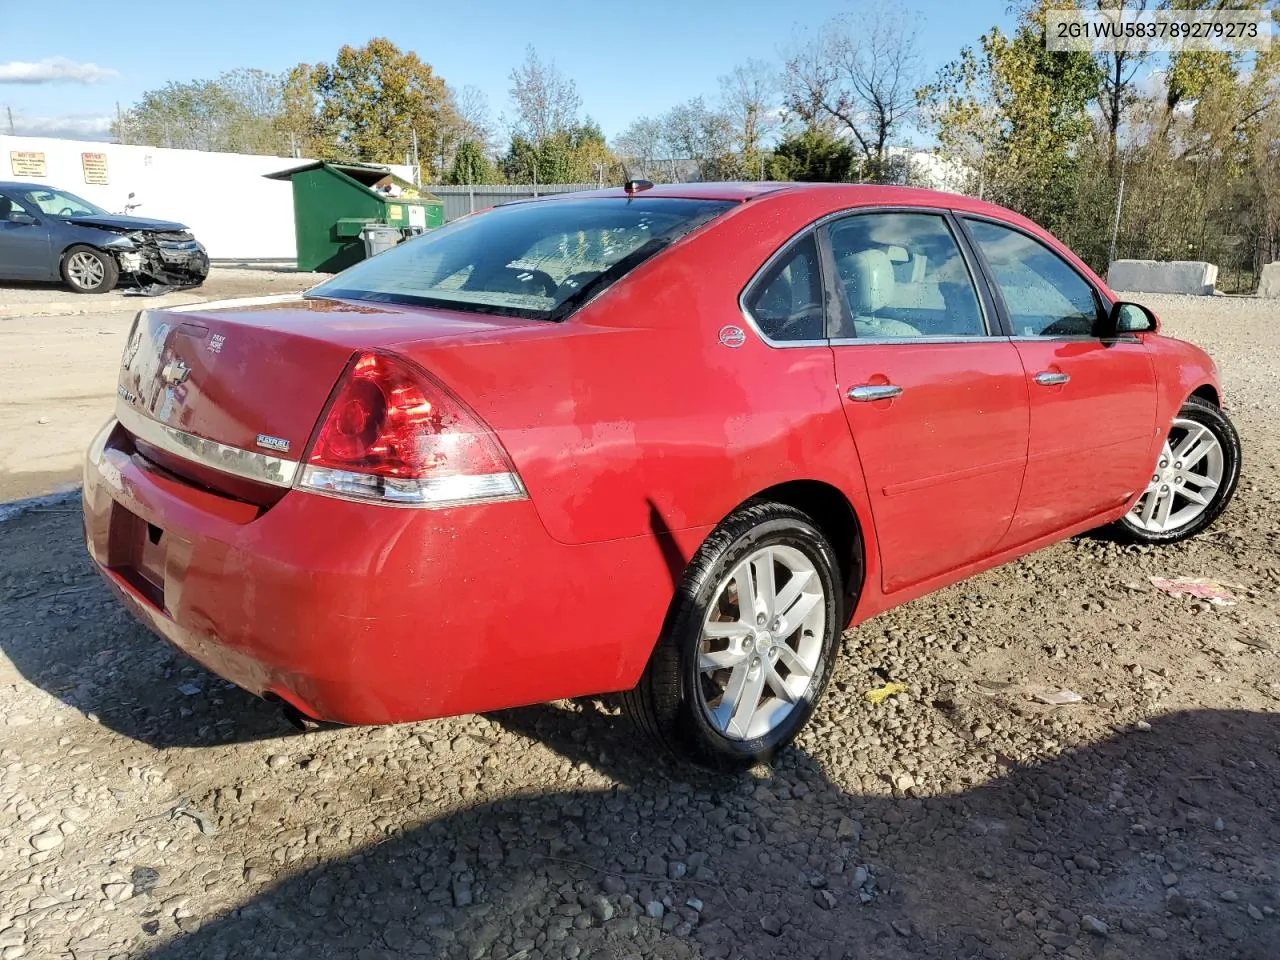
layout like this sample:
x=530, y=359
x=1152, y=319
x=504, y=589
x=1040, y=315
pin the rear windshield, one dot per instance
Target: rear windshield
x=536, y=260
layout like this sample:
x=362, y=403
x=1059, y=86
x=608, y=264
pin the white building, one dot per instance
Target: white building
x=223, y=197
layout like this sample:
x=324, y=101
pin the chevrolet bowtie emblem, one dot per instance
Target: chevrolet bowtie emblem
x=175, y=372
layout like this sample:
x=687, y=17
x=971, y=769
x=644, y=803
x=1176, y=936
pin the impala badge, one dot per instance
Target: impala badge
x=175, y=372
x=273, y=443
x=731, y=336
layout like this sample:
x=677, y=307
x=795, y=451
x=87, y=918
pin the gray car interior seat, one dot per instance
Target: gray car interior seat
x=869, y=282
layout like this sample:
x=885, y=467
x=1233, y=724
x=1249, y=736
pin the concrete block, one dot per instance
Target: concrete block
x=1269, y=285
x=1160, y=276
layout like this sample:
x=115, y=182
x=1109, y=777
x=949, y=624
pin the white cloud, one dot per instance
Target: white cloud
x=53, y=70
x=71, y=126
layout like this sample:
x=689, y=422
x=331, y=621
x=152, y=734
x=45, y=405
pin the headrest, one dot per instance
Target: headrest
x=868, y=280
x=6, y=207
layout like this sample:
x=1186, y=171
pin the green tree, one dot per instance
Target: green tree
x=578, y=154
x=372, y=100
x=470, y=165
x=234, y=113
x=298, y=120
x=1014, y=115
x=814, y=156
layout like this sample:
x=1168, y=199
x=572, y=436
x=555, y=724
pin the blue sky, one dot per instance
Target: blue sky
x=628, y=59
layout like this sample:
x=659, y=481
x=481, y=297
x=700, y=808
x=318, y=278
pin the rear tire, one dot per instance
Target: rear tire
x=88, y=270
x=684, y=701
x=1202, y=430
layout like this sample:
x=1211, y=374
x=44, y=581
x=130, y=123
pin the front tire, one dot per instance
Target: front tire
x=87, y=270
x=731, y=683
x=1192, y=480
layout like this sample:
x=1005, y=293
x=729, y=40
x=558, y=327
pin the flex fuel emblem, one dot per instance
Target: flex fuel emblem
x=273, y=443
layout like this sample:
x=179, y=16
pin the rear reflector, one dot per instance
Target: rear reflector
x=394, y=435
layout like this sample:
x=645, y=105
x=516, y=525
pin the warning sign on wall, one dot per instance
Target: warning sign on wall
x=95, y=167
x=27, y=164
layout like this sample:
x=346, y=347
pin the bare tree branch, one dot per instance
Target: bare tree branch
x=546, y=100
x=863, y=72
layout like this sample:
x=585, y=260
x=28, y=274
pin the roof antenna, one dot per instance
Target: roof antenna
x=635, y=186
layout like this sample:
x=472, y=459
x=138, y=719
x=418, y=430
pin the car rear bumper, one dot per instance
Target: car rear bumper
x=359, y=613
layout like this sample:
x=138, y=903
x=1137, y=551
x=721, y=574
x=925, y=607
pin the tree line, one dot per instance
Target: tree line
x=1185, y=148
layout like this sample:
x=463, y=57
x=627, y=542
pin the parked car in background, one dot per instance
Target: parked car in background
x=666, y=440
x=49, y=234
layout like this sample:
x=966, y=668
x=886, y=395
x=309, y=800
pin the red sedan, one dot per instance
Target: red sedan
x=664, y=440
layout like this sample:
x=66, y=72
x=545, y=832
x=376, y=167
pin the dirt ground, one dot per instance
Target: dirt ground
x=149, y=810
x=59, y=357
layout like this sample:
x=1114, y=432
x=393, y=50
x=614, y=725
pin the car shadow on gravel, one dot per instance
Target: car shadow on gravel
x=63, y=630
x=1153, y=844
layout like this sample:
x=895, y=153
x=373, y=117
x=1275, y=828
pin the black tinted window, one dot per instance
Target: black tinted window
x=1044, y=294
x=786, y=303
x=534, y=260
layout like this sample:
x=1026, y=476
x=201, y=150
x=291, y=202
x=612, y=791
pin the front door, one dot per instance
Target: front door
x=937, y=405
x=1093, y=402
x=24, y=245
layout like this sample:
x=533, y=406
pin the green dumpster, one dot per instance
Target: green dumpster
x=333, y=202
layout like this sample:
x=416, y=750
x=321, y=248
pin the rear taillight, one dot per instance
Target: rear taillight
x=392, y=434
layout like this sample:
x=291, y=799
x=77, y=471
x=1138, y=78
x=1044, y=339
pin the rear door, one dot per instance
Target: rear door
x=935, y=398
x=1093, y=402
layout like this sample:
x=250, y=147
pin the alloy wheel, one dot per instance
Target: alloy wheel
x=1185, y=480
x=85, y=270
x=761, y=642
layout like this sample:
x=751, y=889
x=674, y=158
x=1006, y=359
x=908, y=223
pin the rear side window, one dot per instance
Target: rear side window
x=903, y=275
x=1045, y=295
x=786, y=303
x=537, y=260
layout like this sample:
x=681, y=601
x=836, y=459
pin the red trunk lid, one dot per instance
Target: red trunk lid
x=255, y=374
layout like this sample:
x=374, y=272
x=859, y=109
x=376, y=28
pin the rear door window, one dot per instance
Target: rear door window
x=903, y=275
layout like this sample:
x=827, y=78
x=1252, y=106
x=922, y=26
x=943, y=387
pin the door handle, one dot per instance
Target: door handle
x=879, y=391
x=1048, y=378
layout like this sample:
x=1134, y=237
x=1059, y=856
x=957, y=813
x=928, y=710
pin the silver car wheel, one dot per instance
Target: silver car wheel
x=761, y=642
x=1185, y=479
x=85, y=270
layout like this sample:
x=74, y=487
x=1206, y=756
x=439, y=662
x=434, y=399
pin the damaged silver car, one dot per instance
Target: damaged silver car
x=48, y=234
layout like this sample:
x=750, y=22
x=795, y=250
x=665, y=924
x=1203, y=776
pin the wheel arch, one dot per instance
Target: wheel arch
x=70, y=245
x=836, y=517
x=1208, y=393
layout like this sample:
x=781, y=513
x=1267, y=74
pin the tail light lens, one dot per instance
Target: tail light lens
x=394, y=435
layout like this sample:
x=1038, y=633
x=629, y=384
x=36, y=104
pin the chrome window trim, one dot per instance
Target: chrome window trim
x=815, y=225
x=855, y=341
x=246, y=464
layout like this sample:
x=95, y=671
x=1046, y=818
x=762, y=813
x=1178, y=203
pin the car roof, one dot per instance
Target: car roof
x=22, y=185
x=838, y=195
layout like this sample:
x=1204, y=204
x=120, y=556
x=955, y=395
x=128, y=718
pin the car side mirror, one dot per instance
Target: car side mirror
x=26, y=219
x=1127, y=318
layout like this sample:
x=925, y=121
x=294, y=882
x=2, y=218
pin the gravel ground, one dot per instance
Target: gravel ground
x=147, y=809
